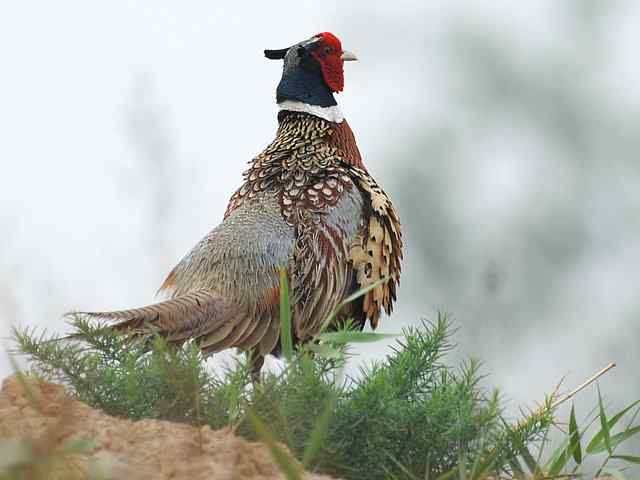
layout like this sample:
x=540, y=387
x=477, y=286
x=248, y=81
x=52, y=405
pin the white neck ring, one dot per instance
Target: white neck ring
x=331, y=114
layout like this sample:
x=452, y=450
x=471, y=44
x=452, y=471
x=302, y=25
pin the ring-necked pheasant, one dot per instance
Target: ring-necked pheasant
x=307, y=203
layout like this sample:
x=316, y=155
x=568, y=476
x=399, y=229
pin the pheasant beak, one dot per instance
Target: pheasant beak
x=348, y=56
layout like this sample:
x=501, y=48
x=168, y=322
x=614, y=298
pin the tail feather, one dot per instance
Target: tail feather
x=253, y=335
x=208, y=344
x=269, y=339
x=189, y=316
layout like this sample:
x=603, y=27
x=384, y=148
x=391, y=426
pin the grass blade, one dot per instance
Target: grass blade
x=574, y=437
x=604, y=424
x=598, y=437
x=349, y=299
x=326, y=351
x=285, y=462
x=616, y=440
x=532, y=465
x=286, y=339
x=319, y=433
x=559, y=459
x=362, y=292
x=518, y=471
x=343, y=337
x=628, y=458
x=401, y=467
x=614, y=473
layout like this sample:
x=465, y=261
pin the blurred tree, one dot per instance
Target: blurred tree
x=154, y=174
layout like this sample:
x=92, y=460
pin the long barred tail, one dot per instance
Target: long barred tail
x=204, y=316
x=193, y=315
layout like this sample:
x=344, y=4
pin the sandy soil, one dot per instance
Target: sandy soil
x=122, y=449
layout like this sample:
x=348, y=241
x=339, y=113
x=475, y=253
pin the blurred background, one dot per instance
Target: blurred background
x=507, y=134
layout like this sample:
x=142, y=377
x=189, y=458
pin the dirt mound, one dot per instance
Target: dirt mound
x=52, y=423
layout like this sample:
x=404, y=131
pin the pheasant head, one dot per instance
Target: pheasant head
x=313, y=70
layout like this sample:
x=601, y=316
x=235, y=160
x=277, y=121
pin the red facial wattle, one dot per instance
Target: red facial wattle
x=328, y=53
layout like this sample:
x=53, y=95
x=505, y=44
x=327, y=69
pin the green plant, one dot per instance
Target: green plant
x=411, y=415
x=411, y=410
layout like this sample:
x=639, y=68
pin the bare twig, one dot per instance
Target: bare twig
x=584, y=385
x=559, y=401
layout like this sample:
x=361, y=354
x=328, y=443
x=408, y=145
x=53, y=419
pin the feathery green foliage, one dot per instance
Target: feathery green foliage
x=409, y=416
x=133, y=379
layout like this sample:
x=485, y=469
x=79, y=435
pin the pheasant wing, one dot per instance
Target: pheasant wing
x=377, y=252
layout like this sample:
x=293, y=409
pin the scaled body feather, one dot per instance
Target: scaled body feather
x=307, y=204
